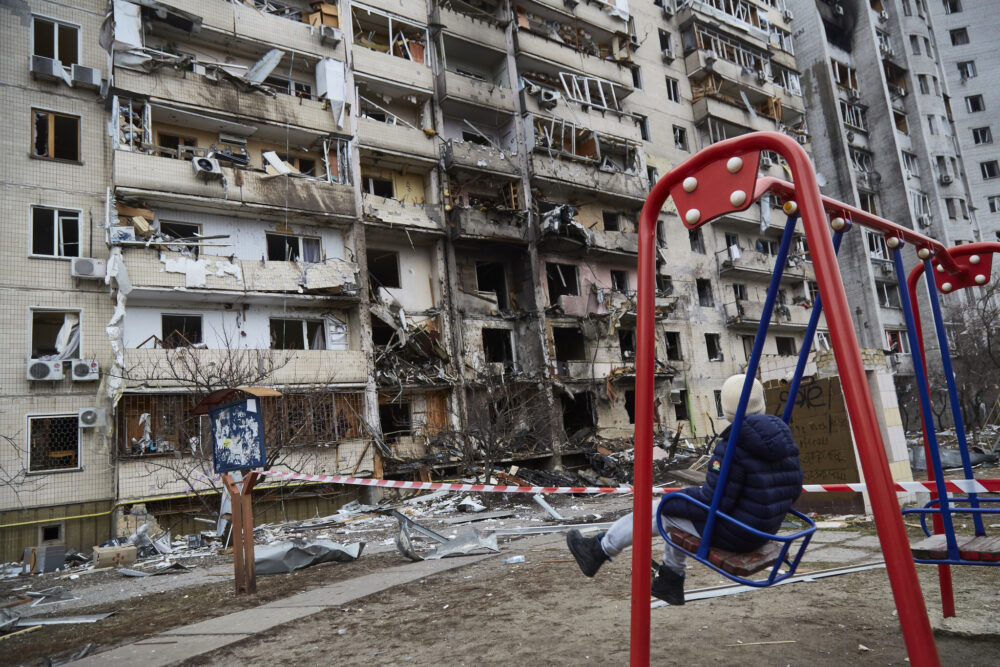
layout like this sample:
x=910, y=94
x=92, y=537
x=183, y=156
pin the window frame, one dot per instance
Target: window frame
x=961, y=34
x=673, y=89
x=163, y=336
x=28, y=418
x=301, y=249
x=975, y=100
x=55, y=24
x=305, y=333
x=992, y=166
x=57, y=211
x=50, y=147
x=982, y=136
x=32, y=310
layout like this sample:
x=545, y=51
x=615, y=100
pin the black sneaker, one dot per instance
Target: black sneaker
x=587, y=551
x=668, y=586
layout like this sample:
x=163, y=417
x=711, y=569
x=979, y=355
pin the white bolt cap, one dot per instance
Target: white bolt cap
x=838, y=224
x=974, y=259
x=980, y=279
x=924, y=253
x=690, y=184
x=892, y=241
x=738, y=198
x=946, y=287
x=692, y=216
x=940, y=268
x=790, y=207
x=734, y=164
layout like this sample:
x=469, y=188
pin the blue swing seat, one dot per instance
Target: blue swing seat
x=737, y=566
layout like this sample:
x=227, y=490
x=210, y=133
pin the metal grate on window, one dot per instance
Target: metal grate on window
x=54, y=443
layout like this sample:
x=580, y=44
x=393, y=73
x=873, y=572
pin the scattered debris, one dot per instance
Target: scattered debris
x=548, y=508
x=513, y=559
x=288, y=556
x=64, y=620
x=464, y=543
x=467, y=504
x=167, y=568
x=50, y=596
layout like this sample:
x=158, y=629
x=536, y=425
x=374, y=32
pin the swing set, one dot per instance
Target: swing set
x=723, y=179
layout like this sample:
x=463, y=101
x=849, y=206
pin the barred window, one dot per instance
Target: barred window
x=53, y=443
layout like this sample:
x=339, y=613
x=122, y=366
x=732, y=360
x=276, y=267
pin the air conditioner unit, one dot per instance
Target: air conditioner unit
x=675, y=396
x=667, y=55
x=946, y=179
x=787, y=15
x=802, y=138
x=87, y=267
x=838, y=10
x=86, y=77
x=549, y=98
x=232, y=139
x=883, y=16
x=206, y=168
x=850, y=136
x=766, y=163
x=85, y=370
x=668, y=9
x=46, y=69
x=50, y=370
x=854, y=95
x=709, y=62
x=92, y=417
x=761, y=76
x=924, y=220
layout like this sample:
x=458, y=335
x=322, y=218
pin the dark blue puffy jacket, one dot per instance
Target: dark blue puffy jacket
x=764, y=480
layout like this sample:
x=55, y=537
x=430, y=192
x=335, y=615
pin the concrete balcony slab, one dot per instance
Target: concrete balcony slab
x=391, y=68
x=474, y=157
x=470, y=90
x=166, y=179
x=585, y=177
x=397, y=140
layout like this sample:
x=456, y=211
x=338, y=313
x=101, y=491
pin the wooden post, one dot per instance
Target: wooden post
x=244, y=570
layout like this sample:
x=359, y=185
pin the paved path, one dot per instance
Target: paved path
x=186, y=642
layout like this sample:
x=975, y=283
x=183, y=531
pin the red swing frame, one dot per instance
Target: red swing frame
x=725, y=181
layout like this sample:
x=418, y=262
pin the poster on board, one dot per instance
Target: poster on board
x=822, y=432
x=237, y=436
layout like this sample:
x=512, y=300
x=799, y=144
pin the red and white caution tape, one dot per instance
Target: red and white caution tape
x=953, y=485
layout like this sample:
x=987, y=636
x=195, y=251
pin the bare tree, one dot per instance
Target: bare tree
x=14, y=478
x=974, y=344
x=506, y=415
x=175, y=446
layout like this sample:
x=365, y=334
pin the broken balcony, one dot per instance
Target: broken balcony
x=391, y=211
x=141, y=175
x=158, y=274
x=147, y=366
x=456, y=86
x=168, y=86
x=470, y=22
x=393, y=47
x=469, y=222
x=277, y=29
x=742, y=16
x=476, y=157
x=745, y=314
x=588, y=177
x=534, y=49
x=396, y=139
x=746, y=263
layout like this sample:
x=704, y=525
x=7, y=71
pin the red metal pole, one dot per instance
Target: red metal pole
x=864, y=424
x=642, y=497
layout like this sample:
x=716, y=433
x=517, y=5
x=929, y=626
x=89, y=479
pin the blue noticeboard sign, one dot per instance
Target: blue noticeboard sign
x=238, y=436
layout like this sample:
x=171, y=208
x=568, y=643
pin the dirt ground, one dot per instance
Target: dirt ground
x=541, y=611
x=544, y=612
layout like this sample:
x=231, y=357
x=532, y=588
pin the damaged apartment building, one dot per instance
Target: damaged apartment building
x=407, y=228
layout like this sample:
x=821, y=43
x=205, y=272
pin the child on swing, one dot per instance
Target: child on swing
x=764, y=480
